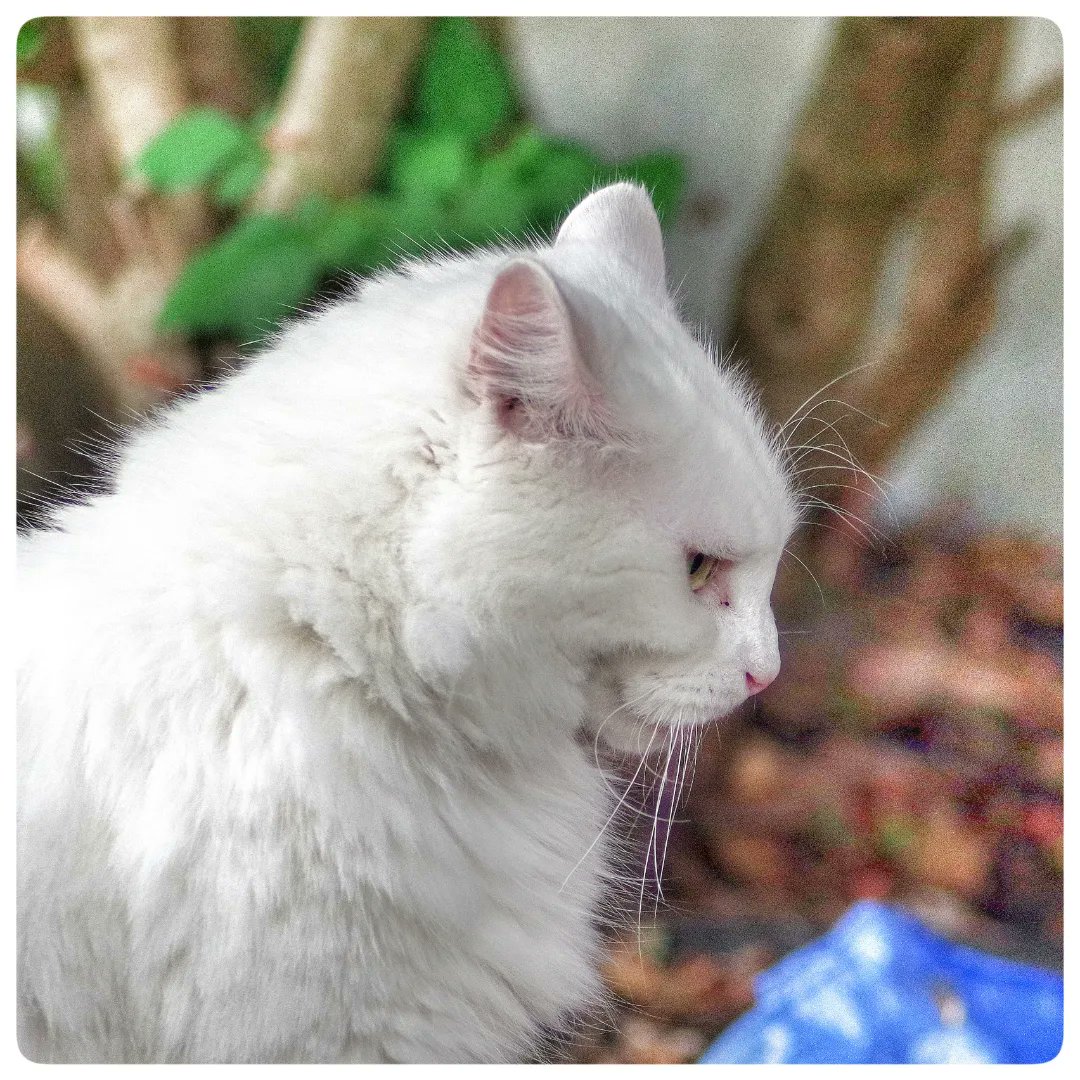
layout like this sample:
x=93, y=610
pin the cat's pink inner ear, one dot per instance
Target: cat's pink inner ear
x=525, y=361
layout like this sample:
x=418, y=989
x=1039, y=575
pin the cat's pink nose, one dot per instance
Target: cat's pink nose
x=755, y=685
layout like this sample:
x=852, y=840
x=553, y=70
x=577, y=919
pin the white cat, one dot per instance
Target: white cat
x=299, y=701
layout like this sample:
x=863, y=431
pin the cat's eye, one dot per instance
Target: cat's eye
x=700, y=568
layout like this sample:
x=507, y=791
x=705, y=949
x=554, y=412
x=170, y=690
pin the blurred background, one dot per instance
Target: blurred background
x=867, y=212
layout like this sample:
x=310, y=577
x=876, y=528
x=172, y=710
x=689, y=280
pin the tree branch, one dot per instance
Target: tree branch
x=901, y=130
x=46, y=270
x=1014, y=116
x=90, y=185
x=808, y=292
x=343, y=90
x=215, y=64
x=950, y=301
x=133, y=77
x=137, y=88
x=113, y=324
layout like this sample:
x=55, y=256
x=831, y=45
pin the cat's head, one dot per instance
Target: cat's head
x=615, y=506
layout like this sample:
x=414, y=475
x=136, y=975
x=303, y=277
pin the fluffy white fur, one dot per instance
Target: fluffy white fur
x=298, y=700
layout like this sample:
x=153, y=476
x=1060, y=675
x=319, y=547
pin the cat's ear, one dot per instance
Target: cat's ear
x=621, y=218
x=525, y=360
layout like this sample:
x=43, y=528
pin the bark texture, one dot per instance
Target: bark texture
x=345, y=87
x=895, y=145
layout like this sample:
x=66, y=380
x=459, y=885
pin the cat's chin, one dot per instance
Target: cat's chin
x=612, y=727
x=635, y=737
x=606, y=726
x=619, y=745
x=643, y=739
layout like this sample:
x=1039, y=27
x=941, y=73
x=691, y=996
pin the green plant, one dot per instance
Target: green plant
x=201, y=146
x=30, y=41
x=460, y=170
x=40, y=161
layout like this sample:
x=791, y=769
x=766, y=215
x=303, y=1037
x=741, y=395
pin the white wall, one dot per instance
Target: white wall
x=725, y=93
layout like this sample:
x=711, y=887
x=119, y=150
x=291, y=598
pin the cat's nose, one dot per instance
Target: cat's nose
x=756, y=683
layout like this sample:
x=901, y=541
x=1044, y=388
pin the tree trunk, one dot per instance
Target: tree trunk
x=899, y=132
x=344, y=90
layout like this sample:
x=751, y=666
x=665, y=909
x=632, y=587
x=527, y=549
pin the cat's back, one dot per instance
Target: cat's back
x=241, y=836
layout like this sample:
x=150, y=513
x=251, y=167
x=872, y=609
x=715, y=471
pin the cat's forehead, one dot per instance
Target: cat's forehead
x=718, y=498
x=723, y=487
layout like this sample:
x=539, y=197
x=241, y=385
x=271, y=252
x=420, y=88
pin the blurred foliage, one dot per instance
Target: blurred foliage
x=40, y=160
x=30, y=42
x=268, y=43
x=241, y=281
x=47, y=173
x=202, y=145
x=465, y=88
x=460, y=170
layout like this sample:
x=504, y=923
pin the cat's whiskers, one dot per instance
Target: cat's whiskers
x=852, y=410
x=859, y=525
x=640, y=729
x=817, y=393
x=643, y=760
x=795, y=454
x=830, y=450
x=651, y=850
x=832, y=485
x=882, y=504
x=835, y=449
x=817, y=584
x=618, y=708
x=831, y=425
x=824, y=504
x=611, y=816
x=676, y=791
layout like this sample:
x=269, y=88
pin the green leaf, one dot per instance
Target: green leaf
x=431, y=166
x=268, y=43
x=495, y=205
x=30, y=42
x=246, y=281
x=566, y=175
x=48, y=174
x=414, y=228
x=195, y=147
x=241, y=179
x=313, y=213
x=664, y=176
x=464, y=85
x=525, y=153
x=354, y=235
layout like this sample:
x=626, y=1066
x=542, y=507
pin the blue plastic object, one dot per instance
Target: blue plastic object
x=881, y=988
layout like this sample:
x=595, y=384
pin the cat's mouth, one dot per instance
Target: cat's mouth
x=625, y=723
